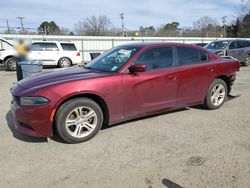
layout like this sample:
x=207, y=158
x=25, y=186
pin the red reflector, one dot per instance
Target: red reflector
x=78, y=54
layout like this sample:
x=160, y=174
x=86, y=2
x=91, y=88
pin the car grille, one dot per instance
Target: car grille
x=16, y=99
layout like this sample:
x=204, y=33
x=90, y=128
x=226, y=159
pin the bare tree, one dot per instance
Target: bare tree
x=79, y=28
x=204, y=22
x=64, y=31
x=206, y=25
x=243, y=9
x=95, y=26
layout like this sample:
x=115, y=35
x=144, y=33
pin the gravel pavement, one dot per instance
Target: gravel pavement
x=190, y=147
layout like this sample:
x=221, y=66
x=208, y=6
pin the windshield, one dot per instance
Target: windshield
x=4, y=45
x=114, y=59
x=217, y=45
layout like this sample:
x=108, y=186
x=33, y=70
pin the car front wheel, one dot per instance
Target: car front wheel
x=78, y=120
x=216, y=94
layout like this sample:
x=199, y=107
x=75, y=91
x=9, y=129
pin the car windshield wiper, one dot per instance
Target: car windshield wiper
x=98, y=69
x=88, y=68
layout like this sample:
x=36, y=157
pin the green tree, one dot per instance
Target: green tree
x=48, y=28
x=244, y=26
x=172, y=26
x=170, y=30
x=233, y=29
x=147, y=31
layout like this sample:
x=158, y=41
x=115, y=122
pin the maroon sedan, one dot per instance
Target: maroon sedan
x=126, y=82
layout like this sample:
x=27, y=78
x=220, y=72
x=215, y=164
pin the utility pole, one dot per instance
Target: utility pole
x=224, y=21
x=45, y=29
x=21, y=21
x=8, y=27
x=122, y=19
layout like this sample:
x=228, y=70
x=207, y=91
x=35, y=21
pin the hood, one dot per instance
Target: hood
x=59, y=76
x=215, y=50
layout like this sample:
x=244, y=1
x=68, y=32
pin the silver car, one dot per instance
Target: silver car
x=239, y=49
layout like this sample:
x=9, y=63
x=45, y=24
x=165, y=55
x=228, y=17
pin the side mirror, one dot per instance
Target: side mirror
x=137, y=68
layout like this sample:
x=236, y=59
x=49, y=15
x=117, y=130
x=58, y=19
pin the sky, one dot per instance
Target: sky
x=66, y=13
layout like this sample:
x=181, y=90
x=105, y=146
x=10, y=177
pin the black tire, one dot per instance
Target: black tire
x=210, y=101
x=10, y=64
x=64, y=62
x=247, y=62
x=64, y=112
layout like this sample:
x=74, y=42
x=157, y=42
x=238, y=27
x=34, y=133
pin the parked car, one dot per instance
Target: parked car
x=239, y=49
x=202, y=44
x=126, y=82
x=55, y=53
x=7, y=53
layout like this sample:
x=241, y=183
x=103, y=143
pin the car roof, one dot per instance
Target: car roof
x=47, y=41
x=230, y=40
x=155, y=44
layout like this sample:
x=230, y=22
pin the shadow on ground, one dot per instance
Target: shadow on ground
x=57, y=138
x=146, y=117
x=2, y=68
x=168, y=183
x=18, y=135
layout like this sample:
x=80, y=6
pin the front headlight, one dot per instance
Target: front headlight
x=219, y=53
x=33, y=101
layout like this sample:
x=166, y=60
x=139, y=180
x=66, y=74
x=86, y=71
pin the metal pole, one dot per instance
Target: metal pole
x=8, y=27
x=45, y=30
x=224, y=21
x=82, y=50
x=122, y=18
x=21, y=21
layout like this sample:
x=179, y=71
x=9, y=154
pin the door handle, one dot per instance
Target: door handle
x=172, y=77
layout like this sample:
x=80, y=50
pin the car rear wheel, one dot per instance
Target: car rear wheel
x=10, y=64
x=78, y=120
x=64, y=62
x=216, y=94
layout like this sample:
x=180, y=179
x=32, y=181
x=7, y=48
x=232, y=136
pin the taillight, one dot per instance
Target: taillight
x=78, y=54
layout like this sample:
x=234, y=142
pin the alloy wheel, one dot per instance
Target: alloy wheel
x=218, y=94
x=65, y=62
x=81, y=122
x=12, y=64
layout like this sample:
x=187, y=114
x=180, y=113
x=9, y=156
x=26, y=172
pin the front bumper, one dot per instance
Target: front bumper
x=32, y=121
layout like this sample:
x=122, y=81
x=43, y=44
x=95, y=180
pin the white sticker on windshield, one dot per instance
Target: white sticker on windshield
x=123, y=51
x=114, y=68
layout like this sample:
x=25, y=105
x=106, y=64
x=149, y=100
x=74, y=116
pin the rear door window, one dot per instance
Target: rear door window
x=38, y=46
x=68, y=47
x=244, y=43
x=248, y=43
x=50, y=46
x=235, y=45
x=189, y=55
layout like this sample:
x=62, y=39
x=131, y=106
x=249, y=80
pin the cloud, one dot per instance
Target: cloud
x=141, y=12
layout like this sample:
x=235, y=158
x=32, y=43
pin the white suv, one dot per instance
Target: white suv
x=7, y=53
x=62, y=54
